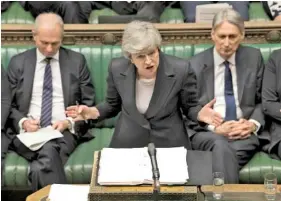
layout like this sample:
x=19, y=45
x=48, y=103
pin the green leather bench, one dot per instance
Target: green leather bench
x=17, y=15
x=79, y=166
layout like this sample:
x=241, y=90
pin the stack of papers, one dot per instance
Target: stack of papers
x=206, y=12
x=61, y=192
x=133, y=166
x=35, y=140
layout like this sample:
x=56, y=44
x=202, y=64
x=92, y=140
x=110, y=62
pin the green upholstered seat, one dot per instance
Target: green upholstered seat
x=172, y=16
x=257, y=13
x=17, y=15
x=79, y=166
x=260, y=164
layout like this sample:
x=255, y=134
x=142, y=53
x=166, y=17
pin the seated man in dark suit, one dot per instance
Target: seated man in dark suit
x=271, y=101
x=5, y=111
x=44, y=81
x=232, y=74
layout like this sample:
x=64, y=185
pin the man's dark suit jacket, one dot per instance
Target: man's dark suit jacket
x=249, y=69
x=5, y=111
x=5, y=98
x=271, y=98
x=174, y=92
x=76, y=84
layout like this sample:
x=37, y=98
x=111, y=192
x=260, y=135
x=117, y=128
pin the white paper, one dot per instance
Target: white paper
x=133, y=166
x=69, y=192
x=35, y=140
x=206, y=12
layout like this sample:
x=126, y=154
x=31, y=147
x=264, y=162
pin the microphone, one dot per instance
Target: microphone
x=155, y=171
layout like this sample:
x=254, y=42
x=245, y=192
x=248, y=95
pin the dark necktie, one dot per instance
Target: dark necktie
x=47, y=96
x=230, y=110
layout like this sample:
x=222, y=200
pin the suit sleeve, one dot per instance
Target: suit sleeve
x=14, y=76
x=270, y=98
x=5, y=98
x=189, y=96
x=258, y=113
x=112, y=104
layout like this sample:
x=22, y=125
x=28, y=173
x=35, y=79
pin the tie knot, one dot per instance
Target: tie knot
x=226, y=62
x=48, y=60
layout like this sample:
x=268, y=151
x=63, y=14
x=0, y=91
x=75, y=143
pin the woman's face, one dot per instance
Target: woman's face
x=147, y=64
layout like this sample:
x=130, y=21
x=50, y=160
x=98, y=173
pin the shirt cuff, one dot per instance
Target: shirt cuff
x=257, y=124
x=72, y=125
x=20, y=124
x=211, y=128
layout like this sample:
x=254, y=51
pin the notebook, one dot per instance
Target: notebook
x=133, y=166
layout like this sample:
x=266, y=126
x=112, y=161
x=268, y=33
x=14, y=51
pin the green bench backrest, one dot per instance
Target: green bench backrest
x=98, y=59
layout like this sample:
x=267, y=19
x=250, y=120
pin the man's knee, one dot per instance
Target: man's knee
x=49, y=150
x=221, y=145
x=68, y=5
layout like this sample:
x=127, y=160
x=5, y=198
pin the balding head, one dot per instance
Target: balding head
x=48, y=33
x=48, y=21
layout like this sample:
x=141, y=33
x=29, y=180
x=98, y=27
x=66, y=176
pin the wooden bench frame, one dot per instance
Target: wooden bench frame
x=111, y=34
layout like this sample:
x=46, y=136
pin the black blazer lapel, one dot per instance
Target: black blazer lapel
x=208, y=74
x=130, y=97
x=64, y=70
x=29, y=66
x=164, y=83
x=241, y=71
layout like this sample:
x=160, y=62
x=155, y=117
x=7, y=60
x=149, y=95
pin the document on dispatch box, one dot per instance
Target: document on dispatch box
x=35, y=140
x=133, y=166
x=59, y=192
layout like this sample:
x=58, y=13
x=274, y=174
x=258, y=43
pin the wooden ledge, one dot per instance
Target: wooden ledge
x=188, y=33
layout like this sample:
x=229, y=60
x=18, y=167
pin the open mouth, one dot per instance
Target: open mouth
x=149, y=67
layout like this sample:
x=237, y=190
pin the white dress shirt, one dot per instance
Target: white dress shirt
x=58, y=111
x=220, y=105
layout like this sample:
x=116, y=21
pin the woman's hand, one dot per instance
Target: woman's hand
x=82, y=112
x=209, y=116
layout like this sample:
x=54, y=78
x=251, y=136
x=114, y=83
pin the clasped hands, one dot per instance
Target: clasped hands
x=233, y=130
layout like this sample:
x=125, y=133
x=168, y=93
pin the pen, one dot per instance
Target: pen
x=30, y=116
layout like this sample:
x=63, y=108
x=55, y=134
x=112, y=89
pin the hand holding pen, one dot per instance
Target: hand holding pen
x=31, y=124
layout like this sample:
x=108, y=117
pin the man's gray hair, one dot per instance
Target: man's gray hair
x=140, y=37
x=230, y=16
x=50, y=19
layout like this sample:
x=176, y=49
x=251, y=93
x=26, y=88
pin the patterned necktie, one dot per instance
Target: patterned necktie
x=47, y=96
x=230, y=110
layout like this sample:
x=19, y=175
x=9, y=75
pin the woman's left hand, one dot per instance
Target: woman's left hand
x=209, y=116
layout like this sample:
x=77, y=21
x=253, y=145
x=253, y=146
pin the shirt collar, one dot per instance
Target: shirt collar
x=218, y=60
x=41, y=57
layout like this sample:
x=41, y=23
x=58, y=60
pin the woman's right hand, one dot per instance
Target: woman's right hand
x=82, y=112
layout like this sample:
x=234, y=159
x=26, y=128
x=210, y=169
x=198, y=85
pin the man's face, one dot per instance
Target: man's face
x=227, y=38
x=48, y=40
x=147, y=63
